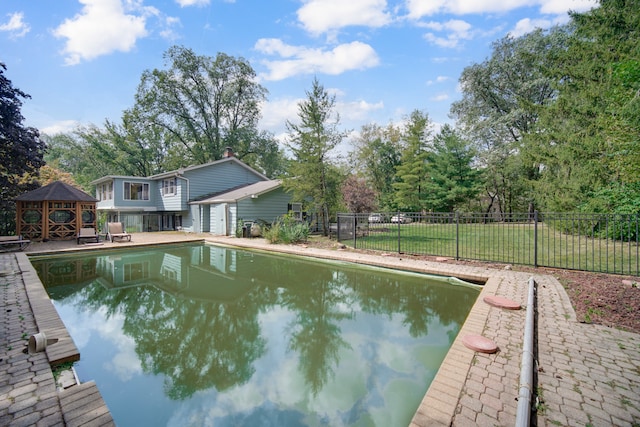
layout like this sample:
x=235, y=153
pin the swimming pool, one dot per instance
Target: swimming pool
x=206, y=335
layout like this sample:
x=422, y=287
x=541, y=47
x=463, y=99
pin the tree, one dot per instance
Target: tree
x=453, y=182
x=46, y=175
x=184, y=115
x=358, y=195
x=21, y=149
x=201, y=105
x=412, y=172
x=266, y=156
x=588, y=138
x=311, y=141
x=74, y=153
x=376, y=155
x=501, y=103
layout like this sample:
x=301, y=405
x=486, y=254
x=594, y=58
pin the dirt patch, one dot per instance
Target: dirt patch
x=606, y=299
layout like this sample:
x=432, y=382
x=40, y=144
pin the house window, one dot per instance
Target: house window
x=105, y=191
x=136, y=191
x=136, y=271
x=296, y=208
x=169, y=186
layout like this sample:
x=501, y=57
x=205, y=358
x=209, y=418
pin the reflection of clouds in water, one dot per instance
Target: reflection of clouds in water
x=279, y=387
x=86, y=325
x=125, y=364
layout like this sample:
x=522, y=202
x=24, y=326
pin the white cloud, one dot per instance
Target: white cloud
x=16, y=27
x=64, y=126
x=276, y=113
x=527, y=25
x=439, y=98
x=357, y=110
x=420, y=8
x=439, y=79
x=457, y=30
x=562, y=6
x=301, y=60
x=319, y=16
x=168, y=32
x=186, y=3
x=102, y=27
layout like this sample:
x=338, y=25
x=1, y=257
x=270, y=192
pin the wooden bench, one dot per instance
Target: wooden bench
x=13, y=243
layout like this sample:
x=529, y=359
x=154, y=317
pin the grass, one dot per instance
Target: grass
x=510, y=243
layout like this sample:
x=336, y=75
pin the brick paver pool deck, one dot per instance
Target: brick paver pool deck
x=586, y=375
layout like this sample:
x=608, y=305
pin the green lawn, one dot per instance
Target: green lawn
x=504, y=242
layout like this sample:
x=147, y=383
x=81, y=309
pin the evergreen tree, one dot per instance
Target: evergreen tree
x=411, y=174
x=312, y=179
x=453, y=182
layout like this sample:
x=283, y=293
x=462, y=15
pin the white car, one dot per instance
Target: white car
x=400, y=219
x=376, y=218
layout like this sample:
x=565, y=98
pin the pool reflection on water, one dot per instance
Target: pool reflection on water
x=202, y=335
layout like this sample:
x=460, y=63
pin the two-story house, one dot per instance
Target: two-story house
x=207, y=198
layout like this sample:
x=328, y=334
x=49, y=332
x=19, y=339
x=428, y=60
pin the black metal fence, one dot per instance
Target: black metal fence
x=588, y=242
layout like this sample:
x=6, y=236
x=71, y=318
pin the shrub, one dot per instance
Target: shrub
x=287, y=230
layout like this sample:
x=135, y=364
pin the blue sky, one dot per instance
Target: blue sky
x=81, y=60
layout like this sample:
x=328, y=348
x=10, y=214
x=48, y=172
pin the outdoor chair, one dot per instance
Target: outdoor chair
x=116, y=231
x=88, y=234
x=13, y=243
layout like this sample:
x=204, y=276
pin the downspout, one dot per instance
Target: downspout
x=523, y=413
x=188, y=194
x=188, y=185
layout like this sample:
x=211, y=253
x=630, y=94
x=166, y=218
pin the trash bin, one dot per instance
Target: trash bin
x=246, y=229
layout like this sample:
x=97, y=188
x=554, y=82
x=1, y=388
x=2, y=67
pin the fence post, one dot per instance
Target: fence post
x=535, y=238
x=457, y=235
x=355, y=229
x=398, y=216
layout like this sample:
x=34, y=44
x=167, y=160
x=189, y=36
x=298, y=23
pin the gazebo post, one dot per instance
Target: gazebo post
x=45, y=220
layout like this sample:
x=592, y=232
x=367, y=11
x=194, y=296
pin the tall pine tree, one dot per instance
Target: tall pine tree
x=412, y=172
x=311, y=141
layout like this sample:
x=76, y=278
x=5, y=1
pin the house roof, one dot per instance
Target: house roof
x=56, y=191
x=112, y=177
x=239, y=193
x=181, y=171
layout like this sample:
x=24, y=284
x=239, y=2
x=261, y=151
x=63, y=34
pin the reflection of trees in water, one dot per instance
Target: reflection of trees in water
x=196, y=345
x=314, y=332
x=385, y=293
x=199, y=344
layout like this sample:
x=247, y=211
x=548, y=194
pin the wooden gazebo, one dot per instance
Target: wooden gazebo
x=54, y=212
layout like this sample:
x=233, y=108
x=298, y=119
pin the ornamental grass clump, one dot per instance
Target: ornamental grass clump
x=287, y=230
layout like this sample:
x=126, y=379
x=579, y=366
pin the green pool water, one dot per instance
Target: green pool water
x=201, y=335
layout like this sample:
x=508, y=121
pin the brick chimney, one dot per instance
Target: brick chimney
x=228, y=152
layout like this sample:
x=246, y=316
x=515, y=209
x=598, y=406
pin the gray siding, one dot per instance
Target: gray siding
x=118, y=196
x=173, y=202
x=267, y=207
x=220, y=177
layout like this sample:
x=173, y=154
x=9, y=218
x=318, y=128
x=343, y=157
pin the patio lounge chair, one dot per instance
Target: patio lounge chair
x=117, y=231
x=88, y=234
x=13, y=243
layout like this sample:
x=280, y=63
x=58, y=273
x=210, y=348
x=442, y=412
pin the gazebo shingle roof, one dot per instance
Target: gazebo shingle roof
x=58, y=191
